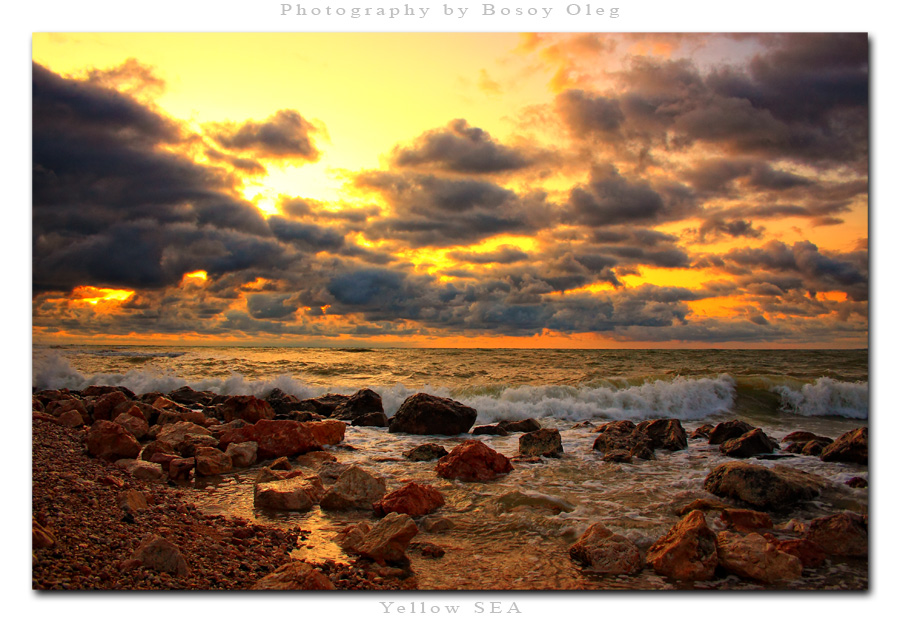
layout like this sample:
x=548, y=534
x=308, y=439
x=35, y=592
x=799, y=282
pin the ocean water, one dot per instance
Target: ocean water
x=514, y=533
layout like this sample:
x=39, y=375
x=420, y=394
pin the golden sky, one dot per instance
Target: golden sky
x=484, y=190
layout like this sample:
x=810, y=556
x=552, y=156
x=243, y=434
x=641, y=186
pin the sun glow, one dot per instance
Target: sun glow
x=94, y=295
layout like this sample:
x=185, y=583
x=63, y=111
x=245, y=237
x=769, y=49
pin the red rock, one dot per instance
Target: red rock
x=326, y=432
x=851, y=447
x=143, y=470
x=412, y=499
x=752, y=556
x=132, y=501
x=803, y=437
x=161, y=554
x=163, y=459
x=728, y=430
x=176, y=433
x=242, y=454
x=614, y=436
x=754, y=442
x=473, y=461
x=702, y=504
x=180, y=469
x=111, y=441
x=810, y=554
x=246, y=407
x=543, y=442
x=154, y=447
x=290, y=494
x=605, y=552
x=55, y=408
x=519, y=426
x=133, y=421
x=687, y=551
x=211, y=461
x=41, y=536
x=745, y=520
x=274, y=438
x=354, y=489
x=841, y=534
x=857, y=482
x=71, y=419
x=282, y=463
x=295, y=576
x=388, y=539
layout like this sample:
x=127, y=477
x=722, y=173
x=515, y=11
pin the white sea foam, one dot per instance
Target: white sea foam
x=827, y=397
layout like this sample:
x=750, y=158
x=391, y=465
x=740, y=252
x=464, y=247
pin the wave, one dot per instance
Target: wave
x=826, y=397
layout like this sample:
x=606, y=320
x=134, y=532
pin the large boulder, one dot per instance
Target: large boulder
x=372, y=419
x=387, y=541
x=133, y=420
x=543, y=442
x=274, y=438
x=112, y=441
x=326, y=432
x=841, y=534
x=105, y=404
x=803, y=437
x=728, y=430
x=354, y=489
x=851, y=447
x=295, y=576
x=412, y=499
x=211, y=461
x=614, y=436
x=424, y=414
x=242, y=454
x=752, y=556
x=246, y=407
x=761, y=487
x=324, y=405
x=519, y=426
x=360, y=403
x=425, y=452
x=140, y=469
x=662, y=433
x=290, y=494
x=161, y=554
x=473, y=461
x=188, y=396
x=754, y=442
x=687, y=551
x=176, y=433
x=605, y=552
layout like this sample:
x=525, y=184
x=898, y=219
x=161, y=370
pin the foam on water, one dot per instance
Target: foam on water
x=827, y=397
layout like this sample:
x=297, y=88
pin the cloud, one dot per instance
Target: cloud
x=586, y=114
x=284, y=135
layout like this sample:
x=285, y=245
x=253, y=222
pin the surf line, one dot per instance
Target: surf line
x=419, y=12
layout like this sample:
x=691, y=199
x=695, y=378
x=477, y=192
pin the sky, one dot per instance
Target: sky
x=451, y=190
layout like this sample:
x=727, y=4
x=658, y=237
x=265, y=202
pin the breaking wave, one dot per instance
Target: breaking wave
x=827, y=397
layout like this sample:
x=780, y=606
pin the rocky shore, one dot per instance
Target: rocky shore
x=112, y=497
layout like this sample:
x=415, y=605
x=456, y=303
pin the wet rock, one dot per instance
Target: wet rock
x=163, y=459
x=167, y=417
x=132, y=501
x=133, y=420
x=193, y=442
x=513, y=500
x=752, y=556
x=857, y=482
x=687, y=551
x=617, y=457
x=161, y=554
x=489, y=430
x=424, y=414
x=702, y=504
x=425, y=452
x=71, y=419
x=354, y=489
x=543, y=442
x=436, y=524
x=473, y=461
x=247, y=408
x=242, y=454
x=814, y=447
x=802, y=437
x=605, y=552
x=810, y=554
x=326, y=432
x=330, y=471
x=314, y=459
x=350, y=538
x=181, y=469
x=58, y=408
x=143, y=470
x=765, y=488
x=841, y=534
x=282, y=463
x=360, y=403
x=412, y=499
x=274, y=438
x=702, y=431
x=324, y=405
x=99, y=391
x=294, y=576
x=292, y=494
x=851, y=448
x=519, y=426
x=188, y=396
x=150, y=413
x=728, y=430
x=154, y=447
x=112, y=441
x=388, y=539
x=211, y=461
x=372, y=419
x=614, y=436
x=642, y=451
x=175, y=433
x=754, y=442
x=662, y=433
x=746, y=520
x=427, y=549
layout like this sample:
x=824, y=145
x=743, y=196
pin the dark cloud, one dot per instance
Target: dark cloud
x=460, y=148
x=284, y=135
x=716, y=175
x=586, y=114
x=715, y=228
x=270, y=306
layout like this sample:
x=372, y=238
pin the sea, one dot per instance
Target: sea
x=514, y=533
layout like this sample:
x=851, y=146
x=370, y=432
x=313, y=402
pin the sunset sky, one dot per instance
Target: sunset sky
x=451, y=190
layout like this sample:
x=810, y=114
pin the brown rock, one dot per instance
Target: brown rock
x=814, y=447
x=41, y=536
x=519, y=426
x=687, y=551
x=242, y=454
x=752, y=556
x=388, y=539
x=282, y=463
x=247, y=408
x=473, y=461
x=702, y=431
x=326, y=432
x=354, y=489
x=543, y=442
x=161, y=554
x=295, y=576
x=745, y=520
x=809, y=553
x=111, y=441
x=425, y=452
x=324, y=405
x=71, y=419
x=176, y=433
x=274, y=438
x=133, y=421
x=617, y=457
x=728, y=430
x=360, y=403
x=97, y=391
x=412, y=499
x=429, y=415
x=132, y=501
x=211, y=461
x=154, y=447
x=851, y=448
x=351, y=537
x=857, y=482
x=142, y=470
x=290, y=494
x=180, y=469
x=702, y=504
x=841, y=534
x=372, y=419
x=642, y=451
x=489, y=430
x=614, y=436
x=754, y=442
x=662, y=433
x=802, y=437
x=605, y=552
x=765, y=488
x=188, y=396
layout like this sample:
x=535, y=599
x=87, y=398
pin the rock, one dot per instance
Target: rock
x=519, y=426
x=180, y=469
x=614, y=436
x=754, y=442
x=314, y=459
x=352, y=536
x=513, y=500
x=330, y=472
x=702, y=431
x=161, y=554
x=99, y=391
x=605, y=552
x=765, y=488
x=841, y=534
x=662, y=433
x=295, y=576
x=745, y=520
x=112, y=441
x=282, y=463
x=752, y=556
x=291, y=494
x=617, y=457
x=412, y=499
x=851, y=447
x=360, y=403
x=154, y=447
x=354, y=489
x=802, y=437
x=372, y=419
x=543, y=442
x=246, y=407
x=163, y=459
x=687, y=551
x=641, y=451
x=150, y=413
x=702, y=504
x=429, y=415
x=728, y=430
x=473, y=461
x=143, y=470
x=324, y=405
x=489, y=430
x=41, y=536
x=425, y=452
x=133, y=420
x=176, y=433
x=132, y=501
x=810, y=554
x=188, y=396
x=242, y=454
x=71, y=404
x=436, y=524
x=211, y=461
x=274, y=438
x=326, y=432
x=388, y=539
x=167, y=417
x=428, y=550
x=71, y=419
x=857, y=482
